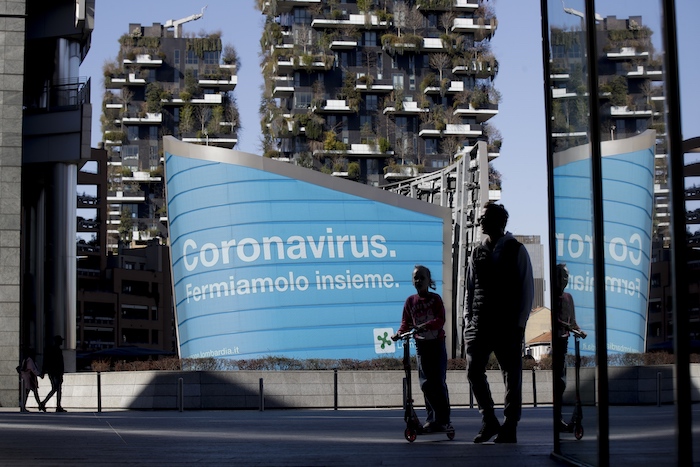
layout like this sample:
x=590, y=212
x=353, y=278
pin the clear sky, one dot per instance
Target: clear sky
x=517, y=46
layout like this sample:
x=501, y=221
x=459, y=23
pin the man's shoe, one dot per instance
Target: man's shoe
x=60, y=409
x=507, y=434
x=488, y=430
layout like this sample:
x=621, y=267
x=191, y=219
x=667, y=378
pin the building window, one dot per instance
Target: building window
x=153, y=157
x=302, y=100
x=302, y=16
x=153, y=132
x=371, y=102
x=154, y=336
x=370, y=38
x=130, y=152
x=191, y=58
x=211, y=57
x=176, y=58
x=132, y=133
x=397, y=80
x=431, y=146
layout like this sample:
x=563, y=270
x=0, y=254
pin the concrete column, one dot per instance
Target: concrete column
x=65, y=180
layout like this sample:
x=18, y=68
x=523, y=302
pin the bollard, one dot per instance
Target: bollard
x=534, y=389
x=21, y=395
x=180, y=395
x=262, y=396
x=335, y=389
x=99, y=392
x=658, y=389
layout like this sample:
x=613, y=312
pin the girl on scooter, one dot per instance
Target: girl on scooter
x=426, y=311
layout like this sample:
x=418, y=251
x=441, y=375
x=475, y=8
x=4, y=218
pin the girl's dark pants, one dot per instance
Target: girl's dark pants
x=431, y=357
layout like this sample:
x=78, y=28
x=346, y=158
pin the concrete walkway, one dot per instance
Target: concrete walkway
x=282, y=438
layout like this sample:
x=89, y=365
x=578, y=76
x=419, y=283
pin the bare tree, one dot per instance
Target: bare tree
x=401, y=13
x=414, y=20
x=447, y=19
x=440, y=62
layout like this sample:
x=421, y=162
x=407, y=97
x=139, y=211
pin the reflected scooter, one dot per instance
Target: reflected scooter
x=575, y=425
x=413, y=424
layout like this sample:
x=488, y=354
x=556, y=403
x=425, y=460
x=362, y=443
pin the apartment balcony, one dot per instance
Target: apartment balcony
x=333, y=106
x=454, y=88
x=116, y=82
x=359, y=21
x=220, y=142
x=143, y=60
x=624, y=111
x=560, y=76
x=144, y=177
x=400, y=173
x=283, y=87
x=227, y=141
x=133, y=80
x=58, y=128
x=228, y=84
x=433, y=5
x=356, y=150
x=463, y=129
x=285, y=6
x=206, y=99
x=284, y=65
x=364, y=84
x=473, y=25
x=563, y=93
x=626, y=53
x=406, y=108
x=149, y=119
x=126, y=196
x=428, y=130
x=87, y=225
x=478, y=68
x=481, y=114
x=433, y=44
x=344, y=45
x=646, y=72
x=494, y=195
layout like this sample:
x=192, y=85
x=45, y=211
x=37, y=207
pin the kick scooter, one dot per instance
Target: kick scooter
x=575, y=425
x=413, y=424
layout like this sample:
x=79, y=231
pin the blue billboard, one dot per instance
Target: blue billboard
x=628, y=192
x=271, y=259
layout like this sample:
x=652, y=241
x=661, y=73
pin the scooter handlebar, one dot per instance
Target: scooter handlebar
x=408, y=334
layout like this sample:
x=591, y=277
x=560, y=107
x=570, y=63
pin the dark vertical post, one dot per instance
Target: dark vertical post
x=550, y=201
x=534, y=389
x=262, y=396
x=601, y=324
x=180, y=395
x=99, y=392
x=679, y=283
x=335, y=389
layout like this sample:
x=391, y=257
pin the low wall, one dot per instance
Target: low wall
x=341, y=389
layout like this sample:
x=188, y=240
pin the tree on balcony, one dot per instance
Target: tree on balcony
x=441, y=62
x=494, y=178
x=230, y=56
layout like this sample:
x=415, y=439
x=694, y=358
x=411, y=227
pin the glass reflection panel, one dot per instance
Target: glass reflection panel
x=631, y=130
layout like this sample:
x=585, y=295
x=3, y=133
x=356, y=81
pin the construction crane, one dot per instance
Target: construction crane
x=571, y=11
x=177, y=23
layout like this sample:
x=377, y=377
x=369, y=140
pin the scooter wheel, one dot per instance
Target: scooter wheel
x=450, y=435
x=410, y=435
x=578, y=431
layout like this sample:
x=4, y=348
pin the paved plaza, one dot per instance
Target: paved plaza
x=301, y=438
